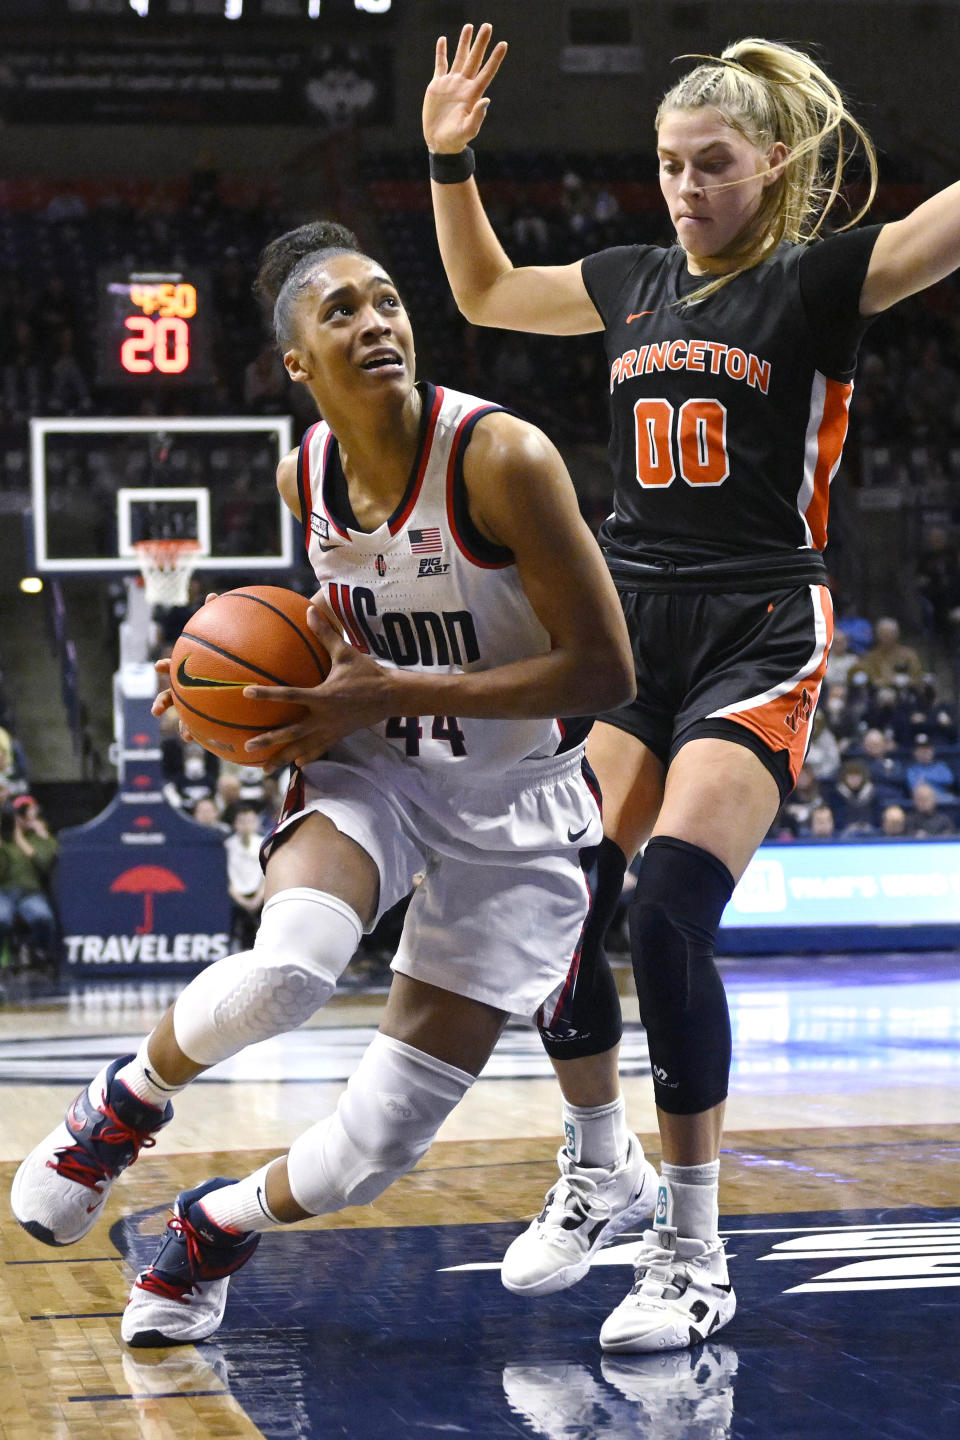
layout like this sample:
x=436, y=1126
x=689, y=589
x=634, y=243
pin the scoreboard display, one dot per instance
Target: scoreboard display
x=153, y=329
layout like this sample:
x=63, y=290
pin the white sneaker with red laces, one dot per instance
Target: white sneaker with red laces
x=60, y=1190
x=181, y=1296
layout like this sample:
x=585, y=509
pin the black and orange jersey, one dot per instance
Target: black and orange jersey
x=728, y=415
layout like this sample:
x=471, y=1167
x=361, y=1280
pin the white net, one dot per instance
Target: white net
x=166, y=567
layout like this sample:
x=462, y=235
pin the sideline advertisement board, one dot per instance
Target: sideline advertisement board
x=142, y=892
x=869, y=895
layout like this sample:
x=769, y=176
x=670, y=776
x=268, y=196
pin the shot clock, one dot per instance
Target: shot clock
x=153, y=329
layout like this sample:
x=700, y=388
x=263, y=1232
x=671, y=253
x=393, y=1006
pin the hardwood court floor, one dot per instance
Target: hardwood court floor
x=840, y=1200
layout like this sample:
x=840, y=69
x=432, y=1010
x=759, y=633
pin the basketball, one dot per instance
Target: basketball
x=257, y=635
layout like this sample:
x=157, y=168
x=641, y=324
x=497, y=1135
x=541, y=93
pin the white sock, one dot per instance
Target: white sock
x=141, y=1077
x=692, y=1199
x=596, y=1136
x=242, y=1207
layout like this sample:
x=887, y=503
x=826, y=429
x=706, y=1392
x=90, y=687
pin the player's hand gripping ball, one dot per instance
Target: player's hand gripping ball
x=257, y=635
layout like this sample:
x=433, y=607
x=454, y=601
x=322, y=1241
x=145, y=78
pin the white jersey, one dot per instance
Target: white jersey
x=426, y=591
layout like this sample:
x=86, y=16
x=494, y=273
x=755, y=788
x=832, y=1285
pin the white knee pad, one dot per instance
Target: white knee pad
x=394, y=1104
x=303, y=946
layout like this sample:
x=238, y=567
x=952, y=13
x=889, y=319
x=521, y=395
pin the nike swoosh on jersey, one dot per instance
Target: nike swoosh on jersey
x=573, y=838
x=639, y=315
x=186, y=681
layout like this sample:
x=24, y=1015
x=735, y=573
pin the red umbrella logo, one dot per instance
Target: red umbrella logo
x=147, y=880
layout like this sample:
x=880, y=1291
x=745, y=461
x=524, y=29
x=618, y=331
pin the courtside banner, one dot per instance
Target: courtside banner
x=142, y=891
x=858, y=895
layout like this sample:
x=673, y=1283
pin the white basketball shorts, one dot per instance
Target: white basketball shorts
x=500, y=910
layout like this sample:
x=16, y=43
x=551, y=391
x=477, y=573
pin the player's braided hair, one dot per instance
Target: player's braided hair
x=771, y=92
x=287, y=263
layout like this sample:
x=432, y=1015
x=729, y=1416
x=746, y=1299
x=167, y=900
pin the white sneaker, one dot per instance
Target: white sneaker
x=680, y=1296
x=181, y=1296
x=59, y=1191
x=585, y=1209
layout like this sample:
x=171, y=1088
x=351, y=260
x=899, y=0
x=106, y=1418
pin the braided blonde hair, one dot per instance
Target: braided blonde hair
x=769, y=93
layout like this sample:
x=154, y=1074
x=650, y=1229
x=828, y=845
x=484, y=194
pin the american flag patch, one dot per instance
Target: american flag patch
x=426, y=542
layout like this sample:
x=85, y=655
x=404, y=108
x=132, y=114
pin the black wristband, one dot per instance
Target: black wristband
x=452, y=169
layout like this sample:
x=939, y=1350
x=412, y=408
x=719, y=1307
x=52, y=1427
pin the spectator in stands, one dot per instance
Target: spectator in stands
x=205, y=812
x=28, y=854
x=822, y=826
x=855, y=798
x=842, y=659
x=893, y=822
x=799, y=806
x=529, y=235
x=889, y=661
x=606, y=208
x=929, y=715
x=251, y=779
x=926, y=768
x=891, y=710
x=244, y=875
x=13, y=768
x=577, y=209
x=843, y=707
x=823, y=753
x=189, y=771
x=856, y=627
x=228, y=796
x=886, y=771
x=938, y=584
x=926, y=820
x=274, y=788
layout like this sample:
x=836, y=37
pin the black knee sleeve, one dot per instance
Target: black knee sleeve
x=587, y=1020
x=674, y=918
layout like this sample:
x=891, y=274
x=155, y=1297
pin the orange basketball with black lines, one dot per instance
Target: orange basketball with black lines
x=257, y=635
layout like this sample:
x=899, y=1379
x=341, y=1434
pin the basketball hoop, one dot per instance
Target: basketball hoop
x=166, y=567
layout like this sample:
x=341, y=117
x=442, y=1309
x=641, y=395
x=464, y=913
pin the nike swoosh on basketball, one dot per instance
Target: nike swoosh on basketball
x=197, y=682
x=639, y=315
x=573, y=838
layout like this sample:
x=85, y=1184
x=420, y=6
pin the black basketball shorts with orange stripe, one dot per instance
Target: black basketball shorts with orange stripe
x=743, y=666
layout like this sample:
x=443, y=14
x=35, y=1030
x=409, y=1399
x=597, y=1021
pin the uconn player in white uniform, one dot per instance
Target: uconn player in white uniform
x=426, y=593
x=464, y=605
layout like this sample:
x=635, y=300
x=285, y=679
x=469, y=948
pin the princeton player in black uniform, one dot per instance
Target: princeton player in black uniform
x=731, y=362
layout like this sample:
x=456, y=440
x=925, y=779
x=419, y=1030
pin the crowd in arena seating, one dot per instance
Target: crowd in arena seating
x=884, y=756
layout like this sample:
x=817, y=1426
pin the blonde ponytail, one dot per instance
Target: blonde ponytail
x=771, y=93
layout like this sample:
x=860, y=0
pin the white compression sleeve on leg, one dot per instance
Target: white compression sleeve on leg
x=303, y=946
x=386, y=1119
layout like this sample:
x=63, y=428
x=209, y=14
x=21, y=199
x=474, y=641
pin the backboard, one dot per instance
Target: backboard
x=100, y=485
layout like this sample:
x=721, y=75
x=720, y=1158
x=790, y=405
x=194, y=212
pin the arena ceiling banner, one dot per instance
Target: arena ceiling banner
x=200, y=80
